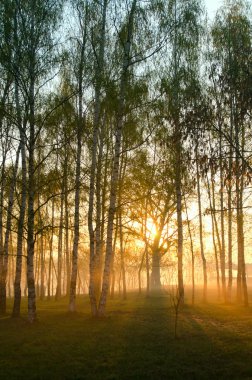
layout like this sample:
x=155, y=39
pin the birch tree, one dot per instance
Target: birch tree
x=34, y=53
x=178, y=85
x=231, y=74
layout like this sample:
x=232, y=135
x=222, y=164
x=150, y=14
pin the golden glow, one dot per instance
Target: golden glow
x=151, y=230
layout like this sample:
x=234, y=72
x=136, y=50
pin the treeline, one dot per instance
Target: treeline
x=119, y=119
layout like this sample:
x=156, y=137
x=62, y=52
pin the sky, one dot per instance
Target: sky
x=212, y=6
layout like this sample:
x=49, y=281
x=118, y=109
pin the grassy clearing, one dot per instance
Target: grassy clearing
x=135, y=341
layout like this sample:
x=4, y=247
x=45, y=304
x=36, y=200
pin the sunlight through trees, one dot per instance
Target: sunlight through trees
x=125, y=139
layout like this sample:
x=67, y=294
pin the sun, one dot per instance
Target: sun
x=151, y=229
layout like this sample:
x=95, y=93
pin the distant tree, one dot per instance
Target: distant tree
x=232, y=80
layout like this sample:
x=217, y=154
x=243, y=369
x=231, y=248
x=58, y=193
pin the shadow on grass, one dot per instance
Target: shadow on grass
x=135, y=341
x=150, y=350
x=202, y=351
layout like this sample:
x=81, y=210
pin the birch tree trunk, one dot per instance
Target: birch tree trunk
x=223, y=243
x=178, y=168
x=146, y=253
x=201, y=229
x=42, y=268
x=230, y=216
x=122, y=252
x=18, y=274
x=214, y=213
x=60, y=245
x=3, y=176
x=230, y=172
x=2, y=258
x=213, y=219
x=30, y=231
x=180, y=226
x=192, y=252
x=4, y=268
x=116, y=163
x=72, y=304
x=242, y=291
x=80, y=128
x=112, y=289
x=122, y=172
x=241, y=229
x=95, y=252
x=67, y=255
x=31, y=191
x=50, y=255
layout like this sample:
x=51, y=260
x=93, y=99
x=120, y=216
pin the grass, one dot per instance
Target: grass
x=135, y=341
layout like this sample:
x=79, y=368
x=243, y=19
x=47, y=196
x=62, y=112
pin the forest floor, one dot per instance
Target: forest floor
x=135, y=341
